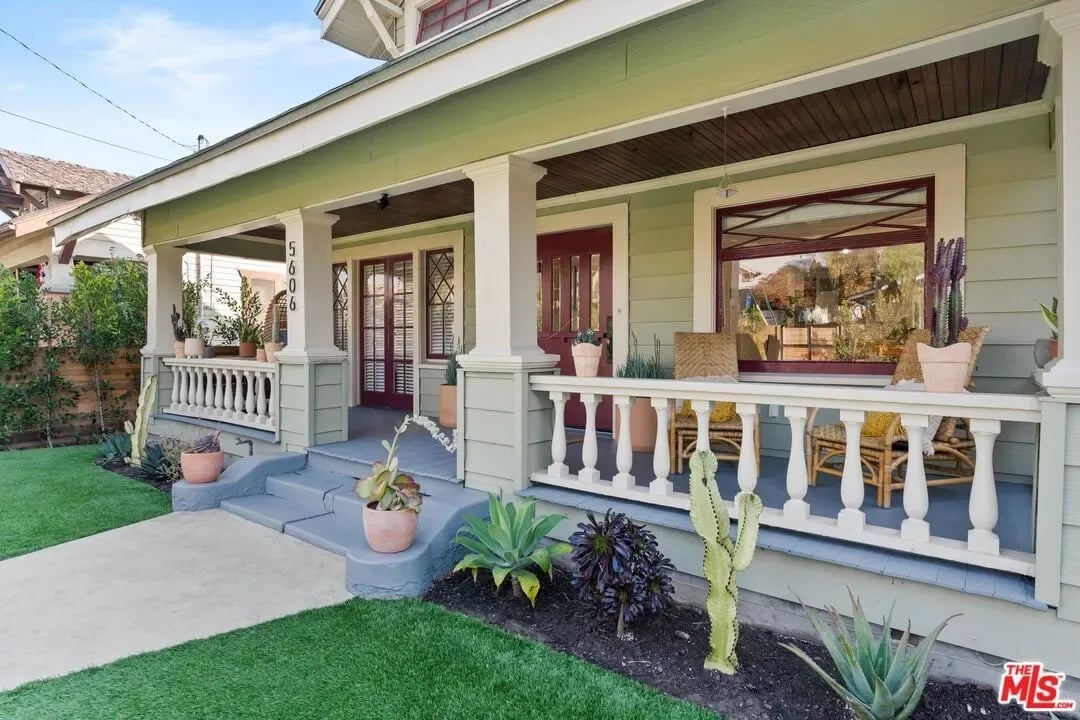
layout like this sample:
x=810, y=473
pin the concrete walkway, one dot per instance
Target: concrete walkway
x=153, y=585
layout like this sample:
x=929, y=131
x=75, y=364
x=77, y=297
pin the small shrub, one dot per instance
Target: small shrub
x=619, y=569
x=880, y=681
x=509, y=545
x=161, y=461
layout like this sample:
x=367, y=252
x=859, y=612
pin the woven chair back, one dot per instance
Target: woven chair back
x=705, y=354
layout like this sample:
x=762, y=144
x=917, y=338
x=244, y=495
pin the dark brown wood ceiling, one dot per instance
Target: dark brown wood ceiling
x=989, y=79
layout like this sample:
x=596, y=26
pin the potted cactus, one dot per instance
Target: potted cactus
x=586, y=351
x=204, y=460
x=274, y=344
x=448, y=393
x=179, y=333
x=945, y=361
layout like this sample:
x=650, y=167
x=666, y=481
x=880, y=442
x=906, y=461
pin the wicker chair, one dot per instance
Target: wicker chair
x=702, y=355
x=882, y=457
x=277, y=305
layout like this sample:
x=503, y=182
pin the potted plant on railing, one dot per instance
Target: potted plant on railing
x=204, y=460
x=190, y=300
x=260, y=349
x=394, y=499
x=642, y=414
x=448, y=392
x=1046, y=349
x=241, y=323
x=945, y=361
x=179, y=334
x=586, y=351
x=274, y=344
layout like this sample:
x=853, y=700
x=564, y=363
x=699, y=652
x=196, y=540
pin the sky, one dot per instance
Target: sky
x=186, y=67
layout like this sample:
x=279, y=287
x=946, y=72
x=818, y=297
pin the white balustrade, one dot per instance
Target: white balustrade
x=614, y=477
x=239, y=392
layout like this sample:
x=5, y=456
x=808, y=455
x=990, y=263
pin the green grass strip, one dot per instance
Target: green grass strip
x=364, y=659
x=52, y=496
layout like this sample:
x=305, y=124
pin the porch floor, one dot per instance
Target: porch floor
x=368, y=427
x=948, y=516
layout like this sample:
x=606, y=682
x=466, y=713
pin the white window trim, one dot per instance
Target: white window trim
x=418, y=247
x=947, y=165
x=414, y=10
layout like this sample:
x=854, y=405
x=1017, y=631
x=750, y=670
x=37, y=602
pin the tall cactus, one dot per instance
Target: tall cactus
x=724, y=559
x=945, y=276
x=140, y=429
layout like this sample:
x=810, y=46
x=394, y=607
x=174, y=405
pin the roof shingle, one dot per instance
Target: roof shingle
x=57, y=174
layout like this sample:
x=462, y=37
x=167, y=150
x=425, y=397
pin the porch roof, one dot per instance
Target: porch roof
x=1002, y=76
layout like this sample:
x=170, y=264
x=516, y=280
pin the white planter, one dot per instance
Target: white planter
x=945, y=369
x=586, y=359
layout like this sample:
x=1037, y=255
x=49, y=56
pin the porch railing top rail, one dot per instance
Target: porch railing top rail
x=973, y=405
x=231, y=363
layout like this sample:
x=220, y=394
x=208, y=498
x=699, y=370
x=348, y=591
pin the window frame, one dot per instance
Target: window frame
x=424, y=8
x=427, y=300
x=874, y=240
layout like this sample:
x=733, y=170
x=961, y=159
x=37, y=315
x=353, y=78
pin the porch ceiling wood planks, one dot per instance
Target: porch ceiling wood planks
x=984, y=80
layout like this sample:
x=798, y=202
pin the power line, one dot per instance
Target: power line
x=85, y=137
x=95, y=92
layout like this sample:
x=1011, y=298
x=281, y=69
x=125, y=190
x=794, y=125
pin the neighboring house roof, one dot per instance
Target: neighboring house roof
x=57, y=174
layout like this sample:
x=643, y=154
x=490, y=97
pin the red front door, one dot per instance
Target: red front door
x=386, y=332
x=574, y=276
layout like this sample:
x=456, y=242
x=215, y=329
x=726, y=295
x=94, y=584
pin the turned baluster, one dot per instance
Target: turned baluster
x=589, y=473
x=852, y=493
x=983, y=504
x=661, y=459
x=748, y=465
x=558, y=468
x=249, y=402
x=916, y=497
x=624, y=449
x=796, y=508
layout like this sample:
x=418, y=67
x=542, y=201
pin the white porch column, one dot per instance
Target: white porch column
x=504, y=201
x=1059, y=47
x=308, y=268
x=494, y=384
x=164, y=284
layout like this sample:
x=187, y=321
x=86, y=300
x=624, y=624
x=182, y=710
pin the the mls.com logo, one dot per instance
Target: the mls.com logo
x=1033, y=688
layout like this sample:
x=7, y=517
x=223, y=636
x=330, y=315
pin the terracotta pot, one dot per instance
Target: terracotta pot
x=586, y=359
x=260, y=354
x=178, y=349
x=272, y=349
x=202, y=467
x=194, y=348
x=642, y=425
x=945, y=369
x=448, y=406
x=389, y=531
x=247, y=350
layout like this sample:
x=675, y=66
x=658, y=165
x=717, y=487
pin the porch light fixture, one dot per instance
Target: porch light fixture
x=726, y=188
x=383, y=202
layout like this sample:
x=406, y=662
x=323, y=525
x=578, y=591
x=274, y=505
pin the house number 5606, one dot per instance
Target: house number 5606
x=294, y=281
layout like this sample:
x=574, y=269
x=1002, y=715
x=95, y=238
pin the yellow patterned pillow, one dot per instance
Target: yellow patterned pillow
x=722, y=412
x=877, y=423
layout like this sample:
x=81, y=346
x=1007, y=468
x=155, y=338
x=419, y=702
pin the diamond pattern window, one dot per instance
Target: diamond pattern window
x=439, y=281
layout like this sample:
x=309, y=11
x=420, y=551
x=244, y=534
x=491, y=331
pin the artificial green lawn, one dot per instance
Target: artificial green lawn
x=364, y=659
x=51, y=496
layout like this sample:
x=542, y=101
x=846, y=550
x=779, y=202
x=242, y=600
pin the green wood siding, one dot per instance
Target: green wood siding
x=1069, y=608
x=702, y=53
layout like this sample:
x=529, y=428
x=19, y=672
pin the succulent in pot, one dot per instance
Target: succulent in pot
x=586, y=351
x=393, y=497
x=945, y=361
x=448, y=391
x=204, y=460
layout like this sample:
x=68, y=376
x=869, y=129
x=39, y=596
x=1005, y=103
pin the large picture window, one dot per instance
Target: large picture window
x=831, y=282
x=439, y=284
x=447, y=14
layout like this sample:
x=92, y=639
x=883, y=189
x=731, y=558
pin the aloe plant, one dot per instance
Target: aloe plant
x=880, y=681
x=508, y=545
x=724, y=559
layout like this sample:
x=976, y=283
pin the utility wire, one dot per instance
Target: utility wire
x=86, y=137
x=95, y=92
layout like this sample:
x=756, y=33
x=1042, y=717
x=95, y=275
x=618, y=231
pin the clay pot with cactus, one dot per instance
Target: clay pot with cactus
x=945, y=361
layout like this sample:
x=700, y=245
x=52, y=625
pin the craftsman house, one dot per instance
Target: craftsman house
x=759, y=186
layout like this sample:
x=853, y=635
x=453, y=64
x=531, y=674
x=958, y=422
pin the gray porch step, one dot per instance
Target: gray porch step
x=270, y=511
x=309, y=486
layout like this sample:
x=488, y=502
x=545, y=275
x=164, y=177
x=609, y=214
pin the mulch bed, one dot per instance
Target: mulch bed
x=667, y=653
x=122, y=468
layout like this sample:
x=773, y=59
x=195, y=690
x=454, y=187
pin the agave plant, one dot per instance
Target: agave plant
x=880, y=681
x=508, y=545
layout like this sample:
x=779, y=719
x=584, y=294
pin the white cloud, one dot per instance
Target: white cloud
x=190, y=61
